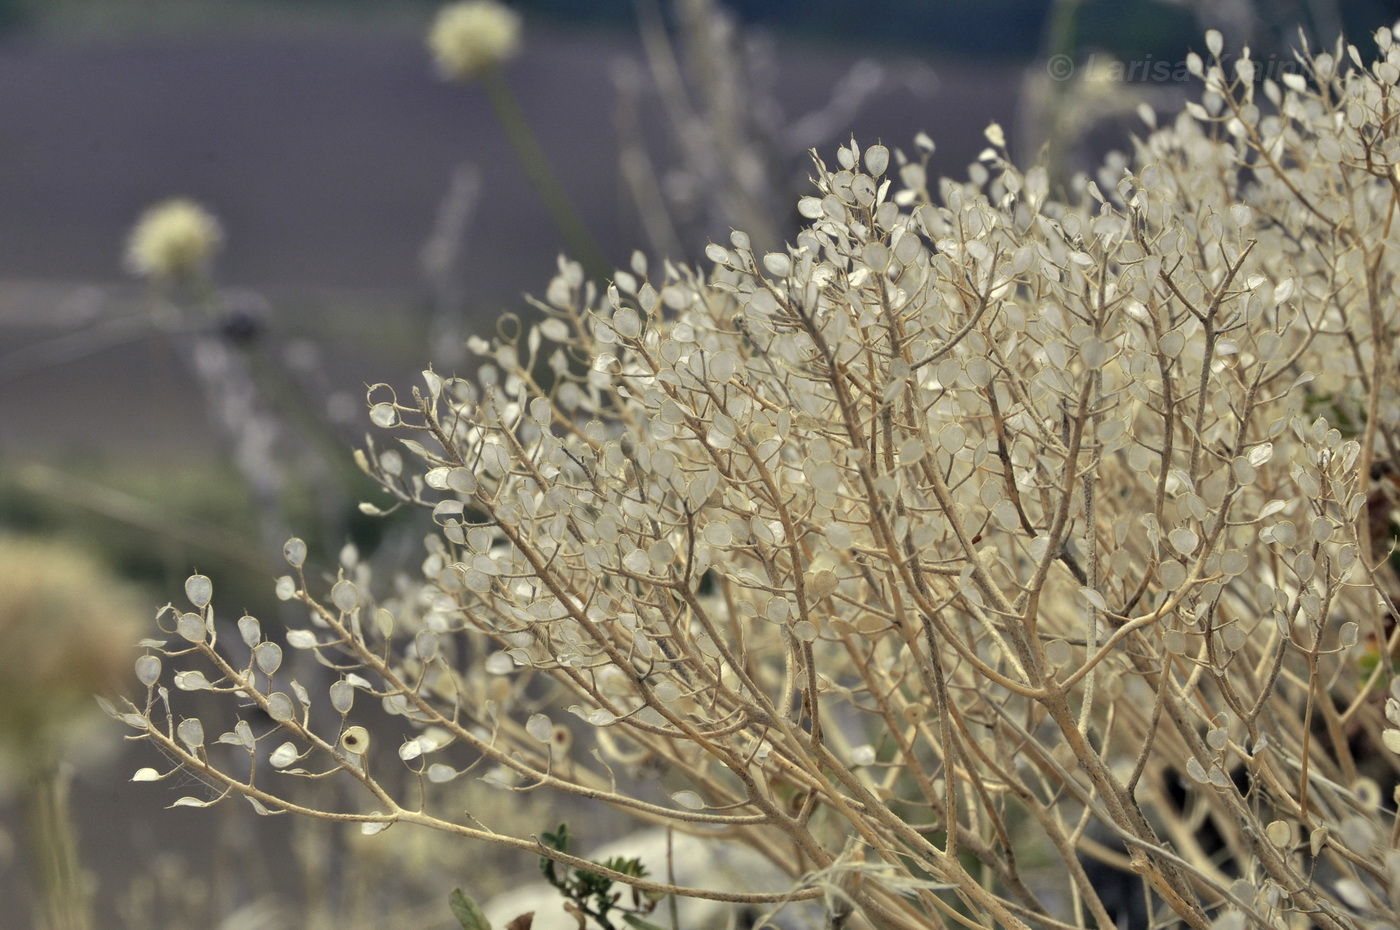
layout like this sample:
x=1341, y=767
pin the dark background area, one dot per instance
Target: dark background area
x=1001, y=29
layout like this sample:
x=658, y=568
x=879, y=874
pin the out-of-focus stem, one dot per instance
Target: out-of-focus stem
x=541, y=173
x=1060, y=43
x=61, y=901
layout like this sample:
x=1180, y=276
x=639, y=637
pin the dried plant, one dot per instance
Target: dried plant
x=68, y=625
x=723, y=154
x=971, y=542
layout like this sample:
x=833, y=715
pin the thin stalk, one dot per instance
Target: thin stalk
x=542, y=175
x=1060, y=44
x=61, y=900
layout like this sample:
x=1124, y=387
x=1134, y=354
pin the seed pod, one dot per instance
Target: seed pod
x=355, y=741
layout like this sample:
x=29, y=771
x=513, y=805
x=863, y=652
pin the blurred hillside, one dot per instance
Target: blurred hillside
x=327, y=155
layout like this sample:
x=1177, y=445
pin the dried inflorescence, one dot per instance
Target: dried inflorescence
x=473, y=36
x=68, y=625
x=938, y=546
x=173, y=240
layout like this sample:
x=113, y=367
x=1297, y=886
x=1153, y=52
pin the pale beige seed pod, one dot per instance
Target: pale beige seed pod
x=471, y=37
x=176, y=238
x=355, y=741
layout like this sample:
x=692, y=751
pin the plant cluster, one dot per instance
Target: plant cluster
x=978, y=536
x=588, y=897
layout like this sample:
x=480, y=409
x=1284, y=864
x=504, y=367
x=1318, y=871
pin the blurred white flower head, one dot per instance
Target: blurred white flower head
x=470, y=37
x=67, y=623
x=173, y=239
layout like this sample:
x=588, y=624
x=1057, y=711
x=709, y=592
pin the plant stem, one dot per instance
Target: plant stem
x=1061, y=43
x=542, y=175
x=61, y=899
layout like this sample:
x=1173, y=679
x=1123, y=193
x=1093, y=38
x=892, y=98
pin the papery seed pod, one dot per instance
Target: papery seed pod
x=355, y=741
x=294, y=551
x=561, y=740
x=250, y=630
x=283, y=756
x=199, y=590
x=345, y=596
x=191, y=732
x=191, y=627
x=279, y=706
x=342, y=696
x=268, y=657
x=148, y=669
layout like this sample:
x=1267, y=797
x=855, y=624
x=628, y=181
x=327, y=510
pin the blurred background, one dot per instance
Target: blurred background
x=372, y=218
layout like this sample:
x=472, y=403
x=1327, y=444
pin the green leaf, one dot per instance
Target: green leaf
x=626, y=865
x=468, y=913
x=590, y=884
x=557, y=840
x=638, y=924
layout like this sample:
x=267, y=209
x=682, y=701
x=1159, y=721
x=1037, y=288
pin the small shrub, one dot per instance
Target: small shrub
x=934, y=556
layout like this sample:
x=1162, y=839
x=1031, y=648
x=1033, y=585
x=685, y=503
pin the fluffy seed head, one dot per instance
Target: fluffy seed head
x=173, y=239
x=473, y=36
x=67, y=624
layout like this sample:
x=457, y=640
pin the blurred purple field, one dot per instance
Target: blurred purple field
x=326, y=156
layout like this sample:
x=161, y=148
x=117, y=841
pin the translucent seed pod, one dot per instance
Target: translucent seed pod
x=355, y=741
